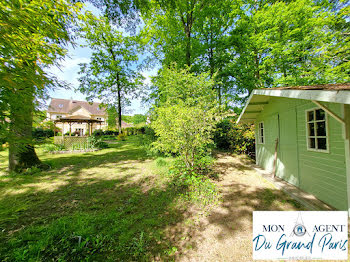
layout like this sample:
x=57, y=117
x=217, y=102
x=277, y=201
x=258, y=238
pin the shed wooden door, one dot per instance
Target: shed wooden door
x=287, y=164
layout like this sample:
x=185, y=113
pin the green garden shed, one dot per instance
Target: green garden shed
x=302, y=136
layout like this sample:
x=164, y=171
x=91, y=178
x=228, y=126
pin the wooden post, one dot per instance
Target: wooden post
x=62, y=133
x=275, y=159
x=70, y=129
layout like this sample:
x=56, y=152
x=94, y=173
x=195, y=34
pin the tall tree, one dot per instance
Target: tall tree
x=169, y=26
x=112, y=74
x=286, y=43
x=213, y=29
x=34, y=35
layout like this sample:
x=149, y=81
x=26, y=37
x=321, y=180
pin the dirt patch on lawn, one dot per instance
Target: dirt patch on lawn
x=226, y=233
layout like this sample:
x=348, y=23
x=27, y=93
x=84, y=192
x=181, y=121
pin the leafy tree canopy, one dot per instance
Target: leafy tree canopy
x=111, y=75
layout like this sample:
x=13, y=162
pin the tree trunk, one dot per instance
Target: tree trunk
x=21, y=147
x=257, y=63
x=187, y=25
x=188, y=49
x=119, y=107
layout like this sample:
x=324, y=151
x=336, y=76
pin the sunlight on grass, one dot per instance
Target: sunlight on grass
x=119, y=204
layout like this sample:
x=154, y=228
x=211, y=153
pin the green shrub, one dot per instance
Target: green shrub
x=134, y=130
x=184, y=130
x=231, y=136
x=42, y=133
x=48, y=148
x=122, y=137
x=221, y=134
x=243, y=140
x=146, y=139
x=197, y=188
x=110, y=133
x=201, y=191
x=97, y=132
x=161, y=162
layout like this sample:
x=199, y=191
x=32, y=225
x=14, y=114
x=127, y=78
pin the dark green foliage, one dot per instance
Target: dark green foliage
x=97, y=133
x=96, y=142
x=42, y=133
x=52, y=147
x=195, y=183
x=146, y=138
x=110, y=133
x=236, y=137
x=136, y=130
x=221, y=134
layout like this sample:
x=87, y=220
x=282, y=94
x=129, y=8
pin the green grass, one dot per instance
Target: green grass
x=116, y=204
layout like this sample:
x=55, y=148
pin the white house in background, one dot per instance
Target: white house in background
x=61, y=108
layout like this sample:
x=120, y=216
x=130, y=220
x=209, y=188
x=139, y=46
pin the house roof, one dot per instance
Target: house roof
x=78, y=118
x=65, y=106
x=336, y=93
x=336, y=87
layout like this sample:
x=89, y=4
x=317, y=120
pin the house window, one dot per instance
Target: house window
x=60, y=105
x=261, y=134
x=58, y=117
x=317, y=130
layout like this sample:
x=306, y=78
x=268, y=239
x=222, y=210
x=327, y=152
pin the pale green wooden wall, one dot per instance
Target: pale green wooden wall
x=322, y=174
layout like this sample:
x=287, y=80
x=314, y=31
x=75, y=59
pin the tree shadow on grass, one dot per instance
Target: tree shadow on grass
x=109, y=219
x=90, y=206
x=238, y=206
x=73, y=164
x=113, y=217
x=227, y=231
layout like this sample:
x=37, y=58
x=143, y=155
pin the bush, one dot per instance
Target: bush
x=97, y=132
x=48, y=148
x=231, y=136
x=75, y=133
x=122, y=137
x=146, y=139
x=221, y=134
x=201, y=191
x=183, y=130
x=134, y=130
x=243, y=140
x=40, y=132
x=110, y=133
x=197, y=188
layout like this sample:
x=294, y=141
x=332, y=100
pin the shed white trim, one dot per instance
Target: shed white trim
x=263, y=95
x=341, y=96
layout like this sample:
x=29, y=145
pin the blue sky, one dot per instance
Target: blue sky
x=69, y=69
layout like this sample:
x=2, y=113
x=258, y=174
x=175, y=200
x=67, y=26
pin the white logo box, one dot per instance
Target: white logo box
x=300, y=235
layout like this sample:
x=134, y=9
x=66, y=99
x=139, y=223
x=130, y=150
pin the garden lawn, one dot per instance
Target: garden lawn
x=119, y=204
x=113, y=204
